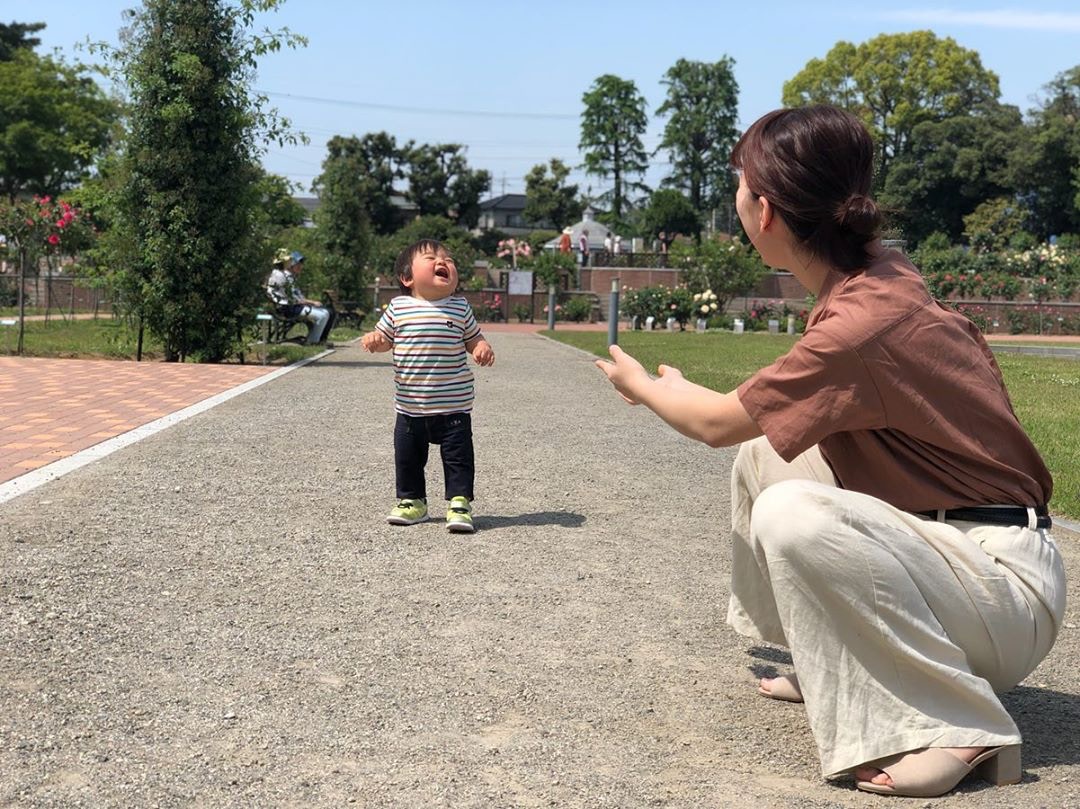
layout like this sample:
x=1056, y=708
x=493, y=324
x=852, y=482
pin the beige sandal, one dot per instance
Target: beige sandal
x=932, y=771
x=785, y=688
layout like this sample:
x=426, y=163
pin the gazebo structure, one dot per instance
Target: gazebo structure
x=597, y=231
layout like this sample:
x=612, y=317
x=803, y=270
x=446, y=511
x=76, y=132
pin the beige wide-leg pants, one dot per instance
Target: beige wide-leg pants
x=901, y=628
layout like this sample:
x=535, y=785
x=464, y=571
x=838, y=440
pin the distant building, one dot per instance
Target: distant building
x=506, y=213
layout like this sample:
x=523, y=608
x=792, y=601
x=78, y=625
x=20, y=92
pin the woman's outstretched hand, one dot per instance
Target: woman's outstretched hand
x=625, y=373
x=672, y=378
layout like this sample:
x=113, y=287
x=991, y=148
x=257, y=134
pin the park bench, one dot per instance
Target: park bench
x=278, y=326
x=348, y=312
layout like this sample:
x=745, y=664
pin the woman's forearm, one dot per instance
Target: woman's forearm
x=715, y=419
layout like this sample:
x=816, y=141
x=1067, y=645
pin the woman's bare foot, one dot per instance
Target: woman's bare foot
x=876, y=776
x=785, y=687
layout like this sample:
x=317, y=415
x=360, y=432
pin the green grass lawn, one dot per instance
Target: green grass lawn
x=1045, y=390
x=112, y=339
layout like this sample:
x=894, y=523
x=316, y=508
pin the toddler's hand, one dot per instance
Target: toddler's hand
x=375, y=341
x=483, y=354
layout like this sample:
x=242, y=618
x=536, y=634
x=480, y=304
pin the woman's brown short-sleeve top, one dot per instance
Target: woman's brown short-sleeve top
x=903, y=396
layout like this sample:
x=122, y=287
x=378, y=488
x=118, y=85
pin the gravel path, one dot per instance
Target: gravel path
x=219, y=616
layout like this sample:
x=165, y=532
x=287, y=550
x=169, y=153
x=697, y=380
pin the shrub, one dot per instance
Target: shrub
x=538, y=238
x=549, y=266
x=977, y=315
x=759, y=314
x=644, y=303
x=489, y=309
x=522, y=312
x=679, y=305
x=726, y=266
x=578, y=308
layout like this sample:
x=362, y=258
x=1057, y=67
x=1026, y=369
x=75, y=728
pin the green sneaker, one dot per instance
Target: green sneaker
x=459, y=516
x=408, y=512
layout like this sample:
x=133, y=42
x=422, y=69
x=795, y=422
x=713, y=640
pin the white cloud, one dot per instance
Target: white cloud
x=1002, y=18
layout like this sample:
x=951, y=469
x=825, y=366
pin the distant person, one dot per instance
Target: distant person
x=564, y=240
x=608, y=246
x=889, y=518
x=290, y=301
x=616, y=245
x=583, y=247
x=431, y=329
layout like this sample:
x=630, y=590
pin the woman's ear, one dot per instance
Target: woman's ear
x=766, y=217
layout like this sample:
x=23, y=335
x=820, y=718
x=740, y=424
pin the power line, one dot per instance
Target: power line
x=342, y=102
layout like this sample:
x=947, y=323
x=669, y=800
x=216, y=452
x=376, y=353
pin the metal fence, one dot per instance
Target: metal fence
x=56, y=294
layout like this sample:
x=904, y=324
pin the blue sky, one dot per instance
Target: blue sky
x=506, y=79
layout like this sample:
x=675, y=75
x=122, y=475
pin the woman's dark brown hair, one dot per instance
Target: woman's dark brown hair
x=815, y=165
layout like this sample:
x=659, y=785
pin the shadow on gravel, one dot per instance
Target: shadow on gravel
x=563, y=519
x=1048, y=721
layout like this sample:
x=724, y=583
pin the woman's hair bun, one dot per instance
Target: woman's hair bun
x=859, y=214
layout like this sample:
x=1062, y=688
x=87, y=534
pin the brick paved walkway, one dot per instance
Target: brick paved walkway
x=50, y=408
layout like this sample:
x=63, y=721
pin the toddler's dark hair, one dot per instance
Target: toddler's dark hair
x=403, y=265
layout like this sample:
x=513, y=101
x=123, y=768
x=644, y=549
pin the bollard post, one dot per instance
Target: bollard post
x=375, y=298
x=613, y=314
x=7, y=322
x=551, y=307
x=791, y=324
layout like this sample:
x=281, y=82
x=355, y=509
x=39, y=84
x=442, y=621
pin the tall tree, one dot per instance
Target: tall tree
x=612, y=126
x=374, y=162
x=548, y=198
x=442, y=184
x=949, y=168
x=894, y=82
x=670, y=213
x=1047, y=164
x=279, y=209
x=702, y=108
x=346, y=190
x=54, y=120
x=16, y=36
x=189, y=203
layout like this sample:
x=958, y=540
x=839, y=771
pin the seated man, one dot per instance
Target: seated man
x=286, y=295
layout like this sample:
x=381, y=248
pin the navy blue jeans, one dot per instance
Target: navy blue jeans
x=412, y=437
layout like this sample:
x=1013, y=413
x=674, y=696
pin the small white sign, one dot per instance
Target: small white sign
x=521, y=282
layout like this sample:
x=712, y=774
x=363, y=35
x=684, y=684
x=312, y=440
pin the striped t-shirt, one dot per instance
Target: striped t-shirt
x=431, y=369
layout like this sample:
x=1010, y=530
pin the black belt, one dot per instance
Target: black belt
x=994, y=515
